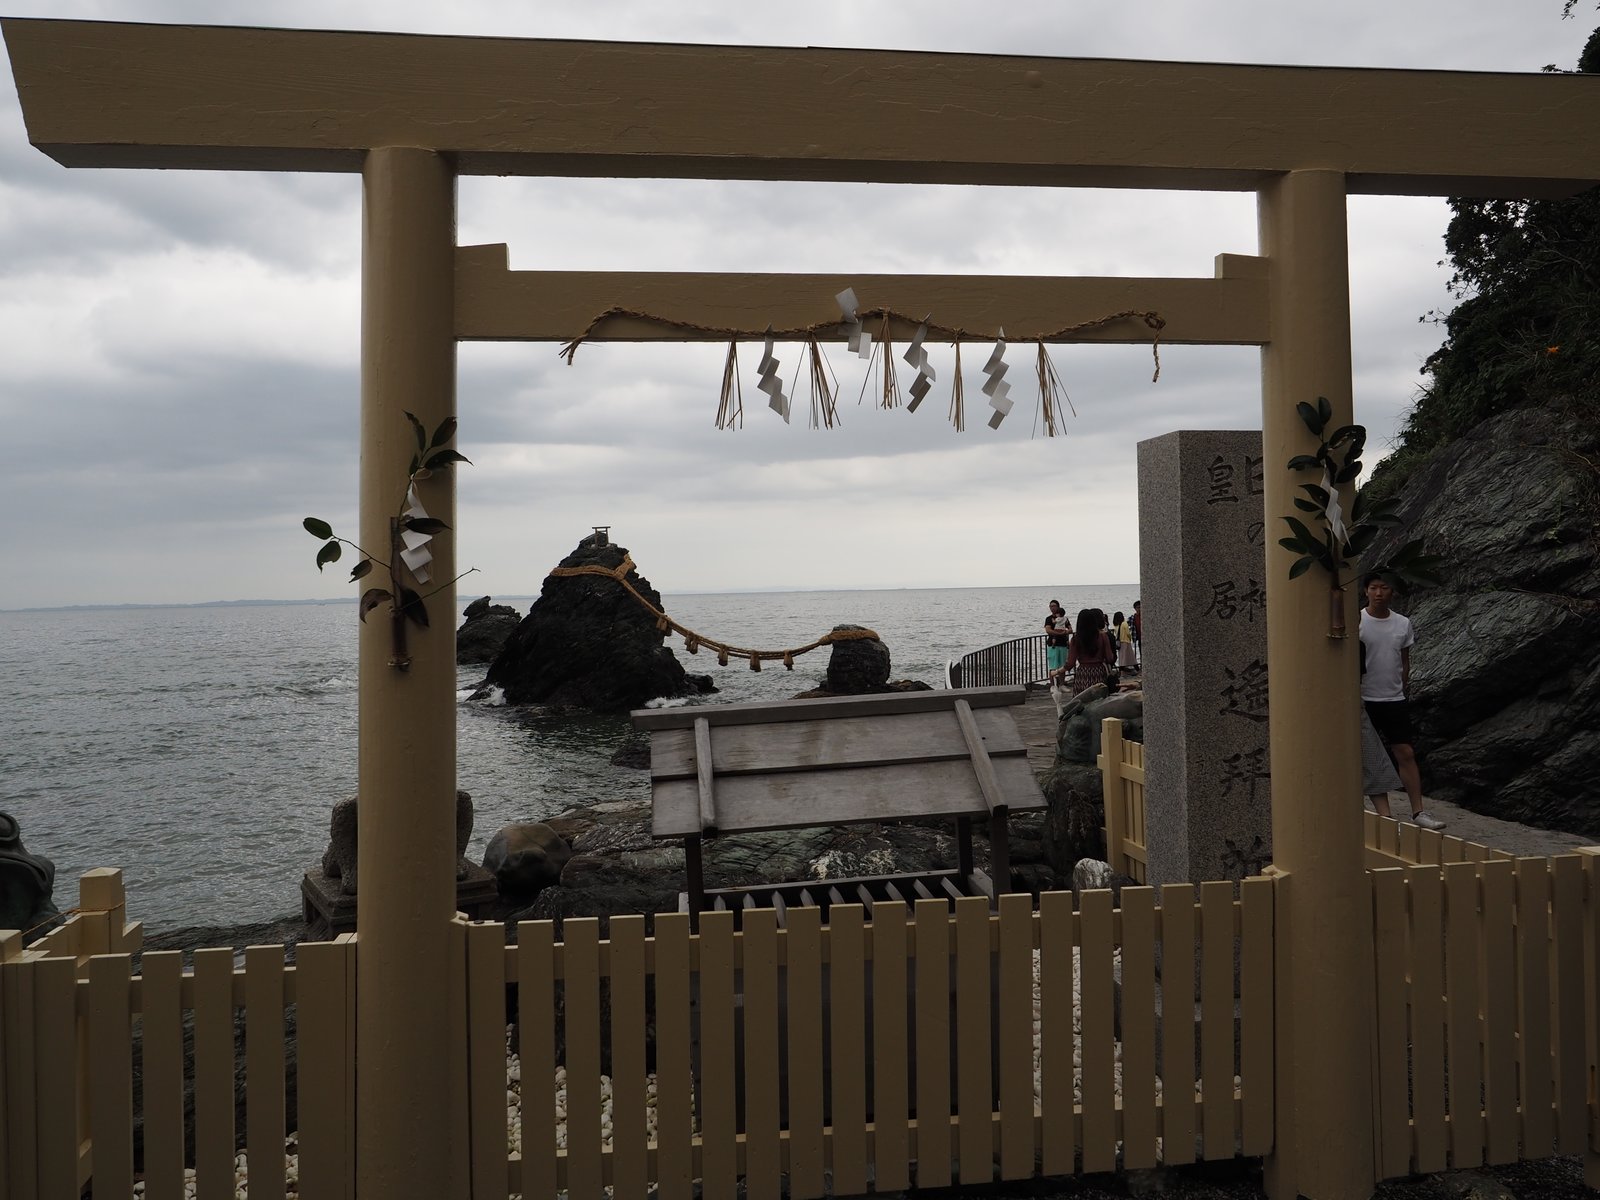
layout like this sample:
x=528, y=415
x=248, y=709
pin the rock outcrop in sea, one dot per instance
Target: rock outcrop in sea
x=586, y=642
x=1506, y=671
x=485, y=629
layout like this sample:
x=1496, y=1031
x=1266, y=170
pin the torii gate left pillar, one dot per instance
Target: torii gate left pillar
x=406, y=854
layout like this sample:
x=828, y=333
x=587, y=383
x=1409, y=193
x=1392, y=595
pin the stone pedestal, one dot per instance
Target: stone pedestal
x=1202, y=577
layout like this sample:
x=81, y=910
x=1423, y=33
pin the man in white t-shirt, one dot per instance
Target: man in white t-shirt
x=1386, y=641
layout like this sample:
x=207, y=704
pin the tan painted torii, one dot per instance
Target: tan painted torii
x=412, y=112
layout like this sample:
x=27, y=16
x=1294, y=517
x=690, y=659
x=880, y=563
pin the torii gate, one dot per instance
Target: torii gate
x=412, y=112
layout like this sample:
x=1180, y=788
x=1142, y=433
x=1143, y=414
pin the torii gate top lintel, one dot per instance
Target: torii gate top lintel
x=109, y=94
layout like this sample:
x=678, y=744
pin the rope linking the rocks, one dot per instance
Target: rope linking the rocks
x=692, y=641
x=52, y=919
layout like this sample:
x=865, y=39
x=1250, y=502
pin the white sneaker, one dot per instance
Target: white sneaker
x=1426, y=821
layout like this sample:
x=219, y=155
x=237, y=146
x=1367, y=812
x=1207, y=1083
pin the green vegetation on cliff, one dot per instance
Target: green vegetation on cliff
x=1526, y=328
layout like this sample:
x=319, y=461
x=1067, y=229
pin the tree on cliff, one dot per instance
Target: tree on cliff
x=1526, y=327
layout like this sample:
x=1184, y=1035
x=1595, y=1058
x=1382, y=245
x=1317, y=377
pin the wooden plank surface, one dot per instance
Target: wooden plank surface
x=803, y=744
x=763, y=1147
x=630, y=1135
x=974, y=1065
x=1177, y=1024
x=213, y=1073
x=1463, y=1003
x=1426, y=940
x=1256, y=1024
x=1534, y=1026
x=933, y=1043
x=161, y=1028
x=674, y=1083
x=54, y=1103
x=1099, y=1033
x=265, y=1112
x=111, y=1074
x=704, y=775
x=325, y=1138
x=806, y=1157
x=1499, y=966
x=1390, y=1004
x=486, y=1072
x=1015, y=1021
x=891, y=1153
x=839, y=796
x=536, y=1023
x=580, y=975
x=1139, y=1113
x=719, y=1117
x=1571, y=1060
x=780, y=711
x=847, y=1029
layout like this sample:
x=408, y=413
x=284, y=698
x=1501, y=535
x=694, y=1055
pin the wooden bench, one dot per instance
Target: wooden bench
x=740, y=768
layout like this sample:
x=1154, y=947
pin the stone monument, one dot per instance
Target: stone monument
x=1202, y=574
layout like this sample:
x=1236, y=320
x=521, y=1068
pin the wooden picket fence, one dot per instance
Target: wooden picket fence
x=867, y=1053
x=1392, y=843
x=1486, y=1008
x=1121, y=766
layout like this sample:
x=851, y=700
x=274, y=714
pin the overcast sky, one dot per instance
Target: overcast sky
x=178, y=350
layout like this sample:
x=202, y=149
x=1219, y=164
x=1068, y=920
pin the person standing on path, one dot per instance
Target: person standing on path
x=1057, y=634
x=1386, y=641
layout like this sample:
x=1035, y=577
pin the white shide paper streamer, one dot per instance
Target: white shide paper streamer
x=859, y=340
x=917, y=355
x=771, y=384
x=416, y=554
x=995, y=386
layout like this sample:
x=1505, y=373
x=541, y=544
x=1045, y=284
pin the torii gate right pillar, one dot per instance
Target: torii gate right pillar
x=1325, y=1145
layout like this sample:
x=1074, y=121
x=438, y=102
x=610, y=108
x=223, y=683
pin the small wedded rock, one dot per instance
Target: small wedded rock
x=526, y=857
x=858, y=666
x=484, y=631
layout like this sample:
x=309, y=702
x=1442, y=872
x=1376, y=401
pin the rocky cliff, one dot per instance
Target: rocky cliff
x=1506, y=671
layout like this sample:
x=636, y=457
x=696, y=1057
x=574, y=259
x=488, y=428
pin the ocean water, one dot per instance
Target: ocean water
x=200, y=749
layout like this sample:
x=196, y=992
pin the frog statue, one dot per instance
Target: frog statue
x=26, y=881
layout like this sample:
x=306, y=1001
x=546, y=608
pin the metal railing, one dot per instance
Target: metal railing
x=1021, y=660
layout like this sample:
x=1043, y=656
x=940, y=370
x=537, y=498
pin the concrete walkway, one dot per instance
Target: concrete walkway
x=1036, y=721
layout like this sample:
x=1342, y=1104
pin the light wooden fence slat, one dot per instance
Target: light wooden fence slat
x=1534, y=1026
x=1409, y=845
x=848, y=1037
x=457, y=1115
x=719, y=1120
x=1095, y=984
x=581, y=1018
x=322, y=979
x=1015, y=1022
x=674, y=1079
x=1591, y=997
x=161, y=1043
x=1498, y=966
x=10, y=951
x=806, y=1160
x=1177, y=1024
x=630, y=1134
x=1463, y=1004
x=1430, y=846
x=1216, y=1018
x=1256, y=1025
x=213, y=1073
x=1389, y=1017
x=1426, y=939
x=974, y=1068
x=55, y=1104
x=891, y=1154
x=762, y=1055
x=111, y=1073
x=1058, y=1125
x=1139, y=1127
x=486, y=1050
x=265, y=1116
x=536, y=1038
x=18, y=1106
x=1571, y=1067
x=933, y=1043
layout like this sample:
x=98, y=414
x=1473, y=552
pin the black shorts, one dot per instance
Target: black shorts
x=1392, y=720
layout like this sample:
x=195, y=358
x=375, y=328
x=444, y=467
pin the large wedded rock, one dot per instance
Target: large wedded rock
x=1506, y=671
x=587, y=642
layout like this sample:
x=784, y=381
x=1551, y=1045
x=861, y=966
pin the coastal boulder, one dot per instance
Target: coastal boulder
x=587, y=640
x=485, y=628
x=525, y=857
x=339, y=859
x=1505, y=674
